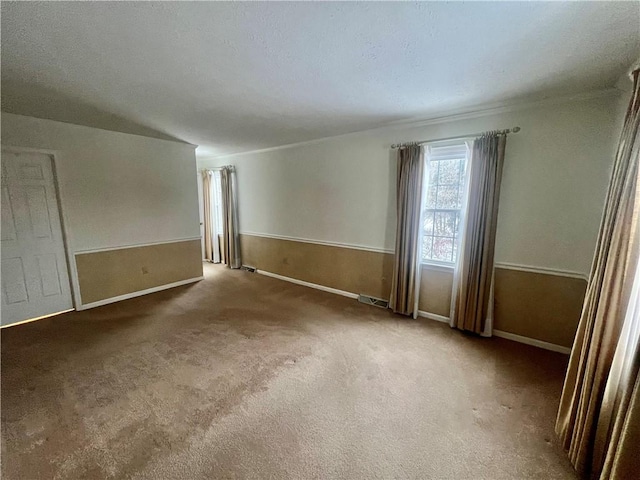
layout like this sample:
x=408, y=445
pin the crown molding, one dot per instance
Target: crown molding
x=451, y=116
x=505, y=108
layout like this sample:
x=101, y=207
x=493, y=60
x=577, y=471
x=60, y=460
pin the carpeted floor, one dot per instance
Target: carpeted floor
x=245, y=376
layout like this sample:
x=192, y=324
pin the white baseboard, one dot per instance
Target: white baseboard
x=509, y=336
x=433, y=316
x=532, y=341
x=308, y=284
x=119, y=298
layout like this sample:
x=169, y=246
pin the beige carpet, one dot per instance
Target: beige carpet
x=244, y=376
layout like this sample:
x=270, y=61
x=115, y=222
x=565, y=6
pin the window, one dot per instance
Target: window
x=444, y=200
x=217, y=200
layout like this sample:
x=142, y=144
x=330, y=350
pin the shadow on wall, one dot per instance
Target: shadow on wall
x=41, y=102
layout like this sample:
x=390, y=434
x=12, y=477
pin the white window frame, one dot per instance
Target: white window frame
x=434, y=264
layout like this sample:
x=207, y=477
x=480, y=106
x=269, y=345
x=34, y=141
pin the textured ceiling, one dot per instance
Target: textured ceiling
x=241, y=76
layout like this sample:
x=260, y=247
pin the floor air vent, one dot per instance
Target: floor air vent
x=248, y=268
x=376, y=302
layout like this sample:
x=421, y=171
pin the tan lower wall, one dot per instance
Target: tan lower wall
x=349, y=269
x=435, y=290
x=531, y=304
x=538, y=305
x=541, y=306
x=112, y=273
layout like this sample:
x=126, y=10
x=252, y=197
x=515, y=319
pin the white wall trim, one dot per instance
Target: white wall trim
x=139, y=293
x=308, y=284
x=543, y=270
x=443, y=117
x=502, y=334
x=532, y=341
x=135, y=245
x=320, y=242
x=433, y=316
x=427, y=266
x=503, y=107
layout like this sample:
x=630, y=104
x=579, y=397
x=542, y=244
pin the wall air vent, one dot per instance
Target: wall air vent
x=248, y=268
x=376, y=302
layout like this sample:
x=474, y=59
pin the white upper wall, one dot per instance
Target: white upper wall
x=116, y=189
x=342, y=189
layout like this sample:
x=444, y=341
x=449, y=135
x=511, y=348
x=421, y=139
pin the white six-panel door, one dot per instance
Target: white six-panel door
x=35, y=279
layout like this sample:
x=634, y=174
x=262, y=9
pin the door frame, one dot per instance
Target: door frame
x=74, y=285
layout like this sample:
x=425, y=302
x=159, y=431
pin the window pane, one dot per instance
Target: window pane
x=432, y=190
x=433, y=173
x=428, y=223
x=460, y=195
x=447, y=197
x=427, y=252
x=443, y=248
x=449, y=173
x=445, y=224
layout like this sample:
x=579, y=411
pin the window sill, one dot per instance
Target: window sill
x=442, y=267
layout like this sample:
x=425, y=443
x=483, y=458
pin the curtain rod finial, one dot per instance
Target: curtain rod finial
x=515, y=129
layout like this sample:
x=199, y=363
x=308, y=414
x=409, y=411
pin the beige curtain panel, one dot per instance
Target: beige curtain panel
x=599, y=416
x=620, y=412
x=230, y=224
x=473, y=288
x=207, y=209
x=404, y=284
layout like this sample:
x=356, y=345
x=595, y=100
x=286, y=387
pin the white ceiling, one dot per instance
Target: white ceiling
x=241, y=76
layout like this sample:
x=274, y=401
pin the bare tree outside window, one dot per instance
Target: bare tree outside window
x=443, y=204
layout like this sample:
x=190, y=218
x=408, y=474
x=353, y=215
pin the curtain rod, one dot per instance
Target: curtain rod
x=217, y=169
x=422, y=142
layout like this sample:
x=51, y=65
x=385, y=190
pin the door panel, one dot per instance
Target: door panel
x=40, y=224
x=14, y=282
x=8, y=222
x=49, y=274
x=31, y=172
x=35, y=279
